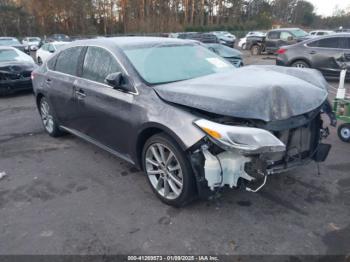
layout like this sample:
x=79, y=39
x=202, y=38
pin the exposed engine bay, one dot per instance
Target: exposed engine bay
x=243, y=154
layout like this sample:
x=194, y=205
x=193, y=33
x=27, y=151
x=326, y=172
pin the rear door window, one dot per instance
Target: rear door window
x=332, y=42
x=274, y=35
x=68, y=60
x=98, y=64
x=285, y=36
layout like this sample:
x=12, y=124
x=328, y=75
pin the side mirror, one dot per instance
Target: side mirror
x=117, y=81
x=290, y=38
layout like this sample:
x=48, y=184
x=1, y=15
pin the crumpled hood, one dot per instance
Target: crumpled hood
x=16, y=66
x=267, y=93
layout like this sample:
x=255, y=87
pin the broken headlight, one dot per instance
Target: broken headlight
x=248, y=140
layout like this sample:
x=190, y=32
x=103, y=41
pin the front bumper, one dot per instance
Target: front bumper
x=216, y=167
x=9, y=86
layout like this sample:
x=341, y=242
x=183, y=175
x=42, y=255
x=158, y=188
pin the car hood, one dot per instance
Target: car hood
x=16, y=66
x=267, y=93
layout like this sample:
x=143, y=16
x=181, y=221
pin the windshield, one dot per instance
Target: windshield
x=59, y=45
x=9, y=42
x=8, y=55
x=172, y=63
x=299, y=33
x=223, y=50
x=34, y=39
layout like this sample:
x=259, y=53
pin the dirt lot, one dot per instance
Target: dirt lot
x=64, y=196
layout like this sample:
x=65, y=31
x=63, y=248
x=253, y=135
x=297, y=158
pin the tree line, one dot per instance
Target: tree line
x=109, y=17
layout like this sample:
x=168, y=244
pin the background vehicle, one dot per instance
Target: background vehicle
x=149, y=114
x=11, y=41
x=230, y=54
x=15, y=70
x=318, y=33
x=225, y=38
x=275, y=39
x=323, y=53
x=58, y=38
x=243, y=41
x=31, y=43
x=47, y=50
x=212, y=42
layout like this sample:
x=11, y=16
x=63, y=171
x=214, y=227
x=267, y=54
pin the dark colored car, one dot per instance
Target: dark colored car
x=232, y=55
x=327, y=54
x=15, y=70
x=13, y=42
x=275, y=39
x=187, y=117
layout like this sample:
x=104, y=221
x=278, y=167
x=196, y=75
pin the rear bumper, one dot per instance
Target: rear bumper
x=280, y=61
x=9, y=86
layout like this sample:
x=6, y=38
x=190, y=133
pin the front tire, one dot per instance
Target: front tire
x=48, y=119
x=300, y=64
x=255, y=50
x=168, y=170
x=344, y=133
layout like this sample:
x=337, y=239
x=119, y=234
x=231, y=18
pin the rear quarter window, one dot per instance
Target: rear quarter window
x=68, y=60
x=274, y=35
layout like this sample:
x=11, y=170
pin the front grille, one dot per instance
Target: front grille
x=301, y=143
x=14, y=76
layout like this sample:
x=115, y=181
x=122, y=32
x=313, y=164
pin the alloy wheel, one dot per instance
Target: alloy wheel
x=299, y=65
x=345, y=132
x=164, y=171
x=46, y=116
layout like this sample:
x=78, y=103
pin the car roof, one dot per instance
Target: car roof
x=7, y=48
x=286, y=29
x=131, y=41
x=7, y=38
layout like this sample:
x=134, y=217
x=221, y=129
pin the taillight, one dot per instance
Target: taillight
x=281, y=51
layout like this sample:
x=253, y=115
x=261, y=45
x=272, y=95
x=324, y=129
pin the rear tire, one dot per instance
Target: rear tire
x=344, y=133
x=300, y=64
x=48, y=119
x=255, y=50
x=168, y=171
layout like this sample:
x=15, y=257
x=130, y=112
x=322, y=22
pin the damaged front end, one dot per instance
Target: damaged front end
x=243, y=154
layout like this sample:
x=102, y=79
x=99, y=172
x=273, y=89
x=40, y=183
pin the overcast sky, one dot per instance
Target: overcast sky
x=326, y=7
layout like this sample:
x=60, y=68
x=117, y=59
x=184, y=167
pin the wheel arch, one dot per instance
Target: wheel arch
x=303, y=59
x=39, y=96
x=147, y=132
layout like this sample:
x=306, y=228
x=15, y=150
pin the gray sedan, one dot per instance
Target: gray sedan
x=329, y=54
x=187, y=117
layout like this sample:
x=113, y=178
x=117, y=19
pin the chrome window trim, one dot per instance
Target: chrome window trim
x=136, y=91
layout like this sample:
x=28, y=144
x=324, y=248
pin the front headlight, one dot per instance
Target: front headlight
x=246, y=139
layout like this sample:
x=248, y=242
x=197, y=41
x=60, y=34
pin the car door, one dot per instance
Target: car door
x=324, y=54
x=60, y=80
x=272, y=41
x=104, y=112
x=286, y=38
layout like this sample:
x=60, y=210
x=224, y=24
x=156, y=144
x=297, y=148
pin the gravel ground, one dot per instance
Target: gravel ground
x=64, y=196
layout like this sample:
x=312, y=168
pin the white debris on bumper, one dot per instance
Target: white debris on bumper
x=225, y=169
